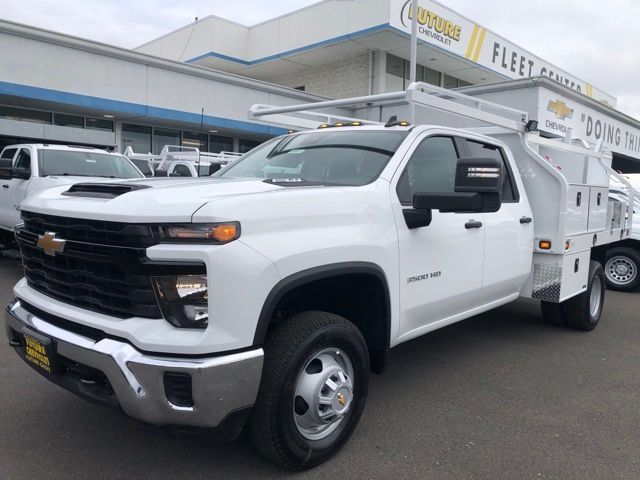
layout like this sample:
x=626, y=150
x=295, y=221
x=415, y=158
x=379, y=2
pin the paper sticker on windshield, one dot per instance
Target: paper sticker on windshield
x=89, y=160
x=299, y=150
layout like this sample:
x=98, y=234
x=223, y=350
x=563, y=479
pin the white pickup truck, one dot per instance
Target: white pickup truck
x=266, y=295
x=29, y=168
x=622, y=266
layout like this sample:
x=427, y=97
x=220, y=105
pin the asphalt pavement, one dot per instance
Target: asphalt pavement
x=498, y=396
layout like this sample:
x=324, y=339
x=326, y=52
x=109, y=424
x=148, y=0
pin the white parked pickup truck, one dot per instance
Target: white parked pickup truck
x=622, y=266
x=29, y=168
x=265, y=295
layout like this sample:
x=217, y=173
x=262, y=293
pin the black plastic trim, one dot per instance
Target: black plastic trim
x=318, y=273
x=96, y=335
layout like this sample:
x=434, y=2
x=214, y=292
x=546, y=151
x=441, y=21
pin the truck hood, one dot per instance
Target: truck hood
x=154, y=200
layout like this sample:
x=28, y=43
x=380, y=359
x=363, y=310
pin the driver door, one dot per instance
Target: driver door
x=440, y=264
x=6, y=194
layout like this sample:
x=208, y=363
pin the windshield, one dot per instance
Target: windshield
x=85, y=164
x=143, y=166
x=326, y=158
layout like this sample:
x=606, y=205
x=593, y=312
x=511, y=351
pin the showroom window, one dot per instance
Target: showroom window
x=99, y=124
x=25, y=115
x=218, y=143
x=192, y=139
x=162, y=137
x=137, y=137
x=453, y=82
x=397, y=74
x=65, y=120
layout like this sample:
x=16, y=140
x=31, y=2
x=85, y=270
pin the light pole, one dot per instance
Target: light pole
x=414, y=41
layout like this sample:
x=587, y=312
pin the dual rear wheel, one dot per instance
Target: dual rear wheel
x=583, y=311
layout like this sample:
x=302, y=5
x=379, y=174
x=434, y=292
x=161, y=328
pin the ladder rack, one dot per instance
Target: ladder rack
x=418, y=97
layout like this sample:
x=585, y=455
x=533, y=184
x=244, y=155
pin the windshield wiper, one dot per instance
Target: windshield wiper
x=66, y=174
x=301, y=182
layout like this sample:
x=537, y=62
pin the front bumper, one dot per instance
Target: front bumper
x=113, y=372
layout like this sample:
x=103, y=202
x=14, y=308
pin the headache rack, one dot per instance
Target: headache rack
x=566, y=180
x=178, y=153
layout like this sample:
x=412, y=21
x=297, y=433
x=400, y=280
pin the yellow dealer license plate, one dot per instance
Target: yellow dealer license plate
x=39, y=351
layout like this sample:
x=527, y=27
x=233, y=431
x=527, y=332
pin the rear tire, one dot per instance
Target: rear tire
x=583, y=311
x=313, y=390
x=622, y=269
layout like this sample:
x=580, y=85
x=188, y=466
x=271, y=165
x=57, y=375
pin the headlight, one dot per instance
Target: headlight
x=183, y=299
x=199, y=232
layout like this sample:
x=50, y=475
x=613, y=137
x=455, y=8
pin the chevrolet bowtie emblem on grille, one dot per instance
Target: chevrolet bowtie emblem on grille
x=560, y=109
x=50, y=244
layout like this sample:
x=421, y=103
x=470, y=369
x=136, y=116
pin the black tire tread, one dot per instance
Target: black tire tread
x=280, y=347
x=577, y=308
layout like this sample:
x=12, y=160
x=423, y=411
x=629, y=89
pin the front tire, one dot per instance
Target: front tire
x=622, y=269
x=313, y=390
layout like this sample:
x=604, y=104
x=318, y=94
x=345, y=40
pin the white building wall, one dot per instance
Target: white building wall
x=346, y=78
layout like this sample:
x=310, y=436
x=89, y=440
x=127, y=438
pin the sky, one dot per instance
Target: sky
x=596, y=42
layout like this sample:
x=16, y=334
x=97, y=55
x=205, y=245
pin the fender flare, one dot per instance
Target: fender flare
x=303, y=277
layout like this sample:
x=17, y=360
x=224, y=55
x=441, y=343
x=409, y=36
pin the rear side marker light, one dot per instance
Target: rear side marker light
x=544, y=245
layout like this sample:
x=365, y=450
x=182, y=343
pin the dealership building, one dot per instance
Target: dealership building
x=194, y=86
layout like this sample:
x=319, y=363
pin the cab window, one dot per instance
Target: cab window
x=23, y=160
x=431, y=169
x=181, y=171
x=5, y=161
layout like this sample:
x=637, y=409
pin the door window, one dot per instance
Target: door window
x=181, y=171
x=431, y=169
x=23, y=160
x=5, y=161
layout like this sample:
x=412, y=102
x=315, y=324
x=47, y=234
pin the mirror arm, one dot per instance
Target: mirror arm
x=416, y=218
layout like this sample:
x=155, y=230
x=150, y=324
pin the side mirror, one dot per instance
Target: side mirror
x=479, y=175
x=21, y=173
x=477, y=189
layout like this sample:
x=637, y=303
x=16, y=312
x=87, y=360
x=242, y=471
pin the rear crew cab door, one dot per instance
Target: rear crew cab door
x=440, y=264
x=508, y=232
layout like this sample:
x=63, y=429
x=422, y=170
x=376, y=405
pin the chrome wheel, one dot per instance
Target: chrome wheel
x=621, y=270
x=595, y=299
x=323, y=394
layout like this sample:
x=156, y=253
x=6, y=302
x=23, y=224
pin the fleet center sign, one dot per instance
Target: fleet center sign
x=557, y=113
x=445, y=29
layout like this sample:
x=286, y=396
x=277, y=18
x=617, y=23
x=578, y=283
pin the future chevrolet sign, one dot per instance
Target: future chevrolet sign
x=449, y=31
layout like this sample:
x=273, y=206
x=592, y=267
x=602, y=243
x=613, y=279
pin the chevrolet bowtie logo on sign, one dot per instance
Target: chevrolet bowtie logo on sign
x=560, y=109
x=50, y=244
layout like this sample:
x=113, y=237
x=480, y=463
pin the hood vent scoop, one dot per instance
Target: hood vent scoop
x=101, y=190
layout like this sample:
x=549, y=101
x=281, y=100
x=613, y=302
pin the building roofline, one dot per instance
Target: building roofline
x=556, y=87
x=70, y=41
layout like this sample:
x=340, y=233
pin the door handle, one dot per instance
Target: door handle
x=472, y=224
x=5, y=186
x=524, y=220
